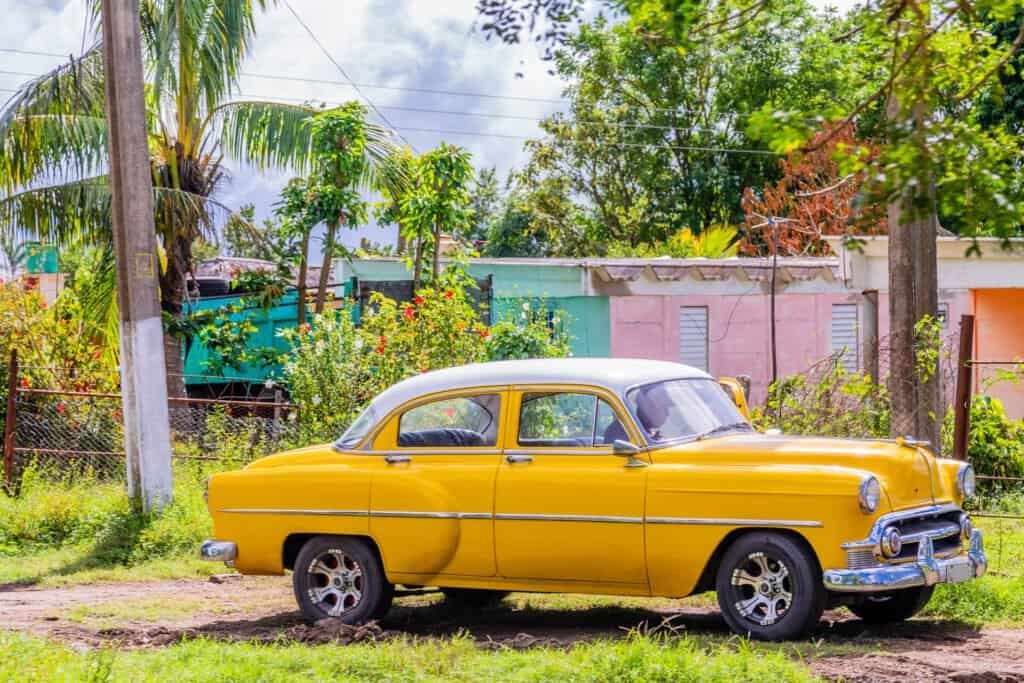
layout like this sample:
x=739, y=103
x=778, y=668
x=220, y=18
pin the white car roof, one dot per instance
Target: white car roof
x=613, y=374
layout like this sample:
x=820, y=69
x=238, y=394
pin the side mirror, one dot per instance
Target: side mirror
x=625, y=449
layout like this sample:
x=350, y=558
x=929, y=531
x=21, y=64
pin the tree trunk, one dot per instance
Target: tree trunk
x=902, y=316
x=926, y=302
x=436, y=270
x=325, y=269
x=173, y=291
x=417, y=272
x=300, y=285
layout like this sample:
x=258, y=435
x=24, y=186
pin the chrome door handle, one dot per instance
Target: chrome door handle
x=397, y=459
x=518, y=458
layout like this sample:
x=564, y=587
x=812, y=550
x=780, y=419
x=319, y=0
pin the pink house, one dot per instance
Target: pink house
x=715, y=314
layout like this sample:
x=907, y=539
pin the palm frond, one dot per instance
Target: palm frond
x=45, y=147
x=265, y=134
x=74, y=87
x=60, y=214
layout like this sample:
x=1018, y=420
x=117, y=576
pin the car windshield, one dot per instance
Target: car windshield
x=358, y=430
x=685, y=409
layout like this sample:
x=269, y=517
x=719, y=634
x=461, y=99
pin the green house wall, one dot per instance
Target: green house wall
x=558, y=286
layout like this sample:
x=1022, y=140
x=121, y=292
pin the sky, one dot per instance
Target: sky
x=389, y=44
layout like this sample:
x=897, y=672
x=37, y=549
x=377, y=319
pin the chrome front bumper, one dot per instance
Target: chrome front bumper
x=218, y=551
x=926, y=570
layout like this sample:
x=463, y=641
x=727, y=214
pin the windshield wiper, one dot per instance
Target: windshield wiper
x=722, y=428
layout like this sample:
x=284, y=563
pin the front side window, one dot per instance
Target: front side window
x=465, y=421
x=685, y=409
x=567, y=420
x=358, y=430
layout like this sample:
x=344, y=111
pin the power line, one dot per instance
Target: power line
x=429, y=91
x=342, y=71
x=34, y=52
x=20, y=73
x=486, y=115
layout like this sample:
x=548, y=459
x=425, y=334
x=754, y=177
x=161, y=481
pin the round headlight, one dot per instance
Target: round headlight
x=869, y=494
x=966, y=527
x=892, y=542
x=965, y=482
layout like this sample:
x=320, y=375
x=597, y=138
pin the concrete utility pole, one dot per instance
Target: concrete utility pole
x=147, y=441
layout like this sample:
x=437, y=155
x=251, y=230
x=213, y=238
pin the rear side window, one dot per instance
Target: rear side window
x=466, y=421
x=567, y=420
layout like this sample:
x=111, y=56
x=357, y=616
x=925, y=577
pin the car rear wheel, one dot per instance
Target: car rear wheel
x=769, y=587
x=340, y=578
x=892, y=607
x=473, y=598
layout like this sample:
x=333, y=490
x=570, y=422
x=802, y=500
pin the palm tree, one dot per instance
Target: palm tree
x=53, y=140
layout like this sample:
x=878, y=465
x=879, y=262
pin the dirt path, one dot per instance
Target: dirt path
x=160, y=613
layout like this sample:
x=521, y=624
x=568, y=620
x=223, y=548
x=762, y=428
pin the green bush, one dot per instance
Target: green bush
x=995, y=443
x=53, y=512
x=335, y=367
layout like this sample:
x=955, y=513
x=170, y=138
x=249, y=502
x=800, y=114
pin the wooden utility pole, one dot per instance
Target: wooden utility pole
x=870, y=335
x=147, y=440
x=962, y=402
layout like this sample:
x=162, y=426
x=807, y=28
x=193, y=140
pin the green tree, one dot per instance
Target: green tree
x=485, y=203
x=243, y=238
x=655, y=138
x=434, y=197
x=53, y=139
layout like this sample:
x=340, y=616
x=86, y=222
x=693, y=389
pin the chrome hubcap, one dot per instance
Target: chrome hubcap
x=762, y=588
x=335, y=582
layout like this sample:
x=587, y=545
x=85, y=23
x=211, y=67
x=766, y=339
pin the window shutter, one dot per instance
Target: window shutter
x=844, y=335
x=693, y=336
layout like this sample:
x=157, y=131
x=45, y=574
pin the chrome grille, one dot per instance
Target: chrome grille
x=861, y=559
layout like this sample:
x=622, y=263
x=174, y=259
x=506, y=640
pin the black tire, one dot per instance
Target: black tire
x=769, y=587
x=340, y=578
x=473, y=598
x=889, y=608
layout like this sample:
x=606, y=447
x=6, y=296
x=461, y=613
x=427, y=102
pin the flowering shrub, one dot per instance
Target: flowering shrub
x=336, y=367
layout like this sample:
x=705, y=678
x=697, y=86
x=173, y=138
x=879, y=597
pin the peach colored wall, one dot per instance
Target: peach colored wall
x=999, y=318
x=738, y=331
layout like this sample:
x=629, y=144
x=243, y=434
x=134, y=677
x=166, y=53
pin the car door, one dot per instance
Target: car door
x=432, y=491
x=566, y=508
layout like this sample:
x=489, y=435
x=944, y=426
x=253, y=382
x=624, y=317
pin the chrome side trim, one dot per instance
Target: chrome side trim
x=430, y=515
x=609, y=519
x=276, y=511
x=723, y=521
x=440, y=450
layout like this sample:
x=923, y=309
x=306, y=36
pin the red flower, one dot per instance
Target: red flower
x=25, y=384
x=418, y=300
x=380, y=349
x=485, y=333
x=60, y=408
x=408, y=313
x=383, y=340
x=449, y=294
x=96, y=355
x=116, y=414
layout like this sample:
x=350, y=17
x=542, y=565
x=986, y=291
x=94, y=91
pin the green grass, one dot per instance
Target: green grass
x=996, y=599
x=25, y=658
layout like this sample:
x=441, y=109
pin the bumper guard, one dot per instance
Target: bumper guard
x=926, y=570
x=218, y=551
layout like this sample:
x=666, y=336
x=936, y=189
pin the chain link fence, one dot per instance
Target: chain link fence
x=67, y=433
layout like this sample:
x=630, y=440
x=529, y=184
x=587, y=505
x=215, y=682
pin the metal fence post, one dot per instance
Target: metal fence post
x=962, y=399
x=10, y=424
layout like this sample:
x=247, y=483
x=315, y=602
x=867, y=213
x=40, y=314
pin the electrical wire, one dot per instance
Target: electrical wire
x=342, y=71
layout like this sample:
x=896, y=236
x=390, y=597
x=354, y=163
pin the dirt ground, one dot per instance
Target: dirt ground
x=141, y=615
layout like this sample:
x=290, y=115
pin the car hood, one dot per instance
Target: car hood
x=909, y=476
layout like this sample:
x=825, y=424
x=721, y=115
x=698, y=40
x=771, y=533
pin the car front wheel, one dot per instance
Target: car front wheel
x=769, y=587
x=340, y=578
x=892, y=607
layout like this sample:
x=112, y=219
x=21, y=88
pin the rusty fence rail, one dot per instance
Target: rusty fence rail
x=70, y=432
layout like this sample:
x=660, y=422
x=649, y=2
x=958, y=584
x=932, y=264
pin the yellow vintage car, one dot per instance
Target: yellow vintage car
x=611, y=476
